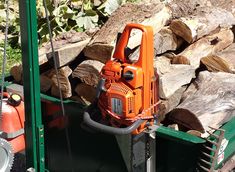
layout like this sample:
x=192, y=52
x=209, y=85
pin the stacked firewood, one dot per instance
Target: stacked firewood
x=194, y=58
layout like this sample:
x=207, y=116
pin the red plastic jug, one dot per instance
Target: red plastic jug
x=12, y=121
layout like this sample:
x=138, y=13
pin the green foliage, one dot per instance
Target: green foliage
x=74, y=15
x=64, y=15
x=13, y=56
x=13, y=50
x=13, y=22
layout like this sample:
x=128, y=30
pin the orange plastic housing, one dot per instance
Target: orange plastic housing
x=128, y=99
x=12, y=121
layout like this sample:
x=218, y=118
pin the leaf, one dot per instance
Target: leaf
x=58, y=21
x=87, y=5
x=77, y=4
x=86, y=21
x=90, y=13
x=110, y=6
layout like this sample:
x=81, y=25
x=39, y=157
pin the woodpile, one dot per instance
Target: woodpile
x=193, y=55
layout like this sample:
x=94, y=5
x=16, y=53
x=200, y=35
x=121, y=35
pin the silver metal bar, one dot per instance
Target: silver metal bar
x=207, y=155
x=206, y=162
x=203, y=168
x=209, y=148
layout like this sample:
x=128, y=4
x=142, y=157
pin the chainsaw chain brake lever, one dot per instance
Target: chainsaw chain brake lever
x=100, y=87
x=108, y=129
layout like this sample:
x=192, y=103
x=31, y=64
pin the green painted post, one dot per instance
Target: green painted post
x=33, y=119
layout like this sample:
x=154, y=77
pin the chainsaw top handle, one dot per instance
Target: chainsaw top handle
x=146, y=46
x=108, y=129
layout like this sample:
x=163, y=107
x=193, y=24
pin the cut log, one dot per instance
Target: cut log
x=172, y=77
x=165, y=40
x=175, y=78
x=86, y=92
x=45, y=83
x=223, y=61
x=204, y=47
x=68, y=53
x=169, y=104
x=189, y=91
x=184, y=8
x=211, y=105
x=42, y=59
x=156, y=15
x=162, y=65
x=191, y=28
x=225, y=4
x=67, y=47
x=88, y=72
x=63, y=74
x=79, y=100
x=17, y=72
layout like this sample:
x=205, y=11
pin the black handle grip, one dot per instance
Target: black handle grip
x=108, y=129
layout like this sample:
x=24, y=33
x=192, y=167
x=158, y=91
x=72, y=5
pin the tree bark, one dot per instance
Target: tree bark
x=63, y=74
x=204, y=47
x=165, y=40
x=223, y=61
x=45, y=83
x=67, y=47
x=86, y=92
x=101, y=46
x=68, y=53
x=174, y=79
x=169, y=104
x=191, y=28
x=211, y=105
x=17, y=72
x=88, y=72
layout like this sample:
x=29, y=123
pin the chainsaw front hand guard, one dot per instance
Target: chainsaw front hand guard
x=108, y=129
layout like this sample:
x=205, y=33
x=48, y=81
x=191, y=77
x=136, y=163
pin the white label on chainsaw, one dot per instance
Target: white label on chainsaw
x=116, y=106
x=223, y=146
x=220, y=158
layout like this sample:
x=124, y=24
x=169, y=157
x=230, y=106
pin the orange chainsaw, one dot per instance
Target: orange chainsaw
x=127, y=94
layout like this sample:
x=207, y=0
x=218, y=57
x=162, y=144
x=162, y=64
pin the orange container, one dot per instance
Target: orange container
x=12, y=122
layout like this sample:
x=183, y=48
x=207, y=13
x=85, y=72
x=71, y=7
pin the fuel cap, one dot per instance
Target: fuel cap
x=14, y=99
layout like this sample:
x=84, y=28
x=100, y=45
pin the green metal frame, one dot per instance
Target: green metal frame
x=230, y=136
x=34, y=130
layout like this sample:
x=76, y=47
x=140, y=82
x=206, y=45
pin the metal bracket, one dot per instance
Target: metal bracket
x=151, y=130
x=208, y=158
x=30, y=169
x=41, y=147
x=11, y=135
